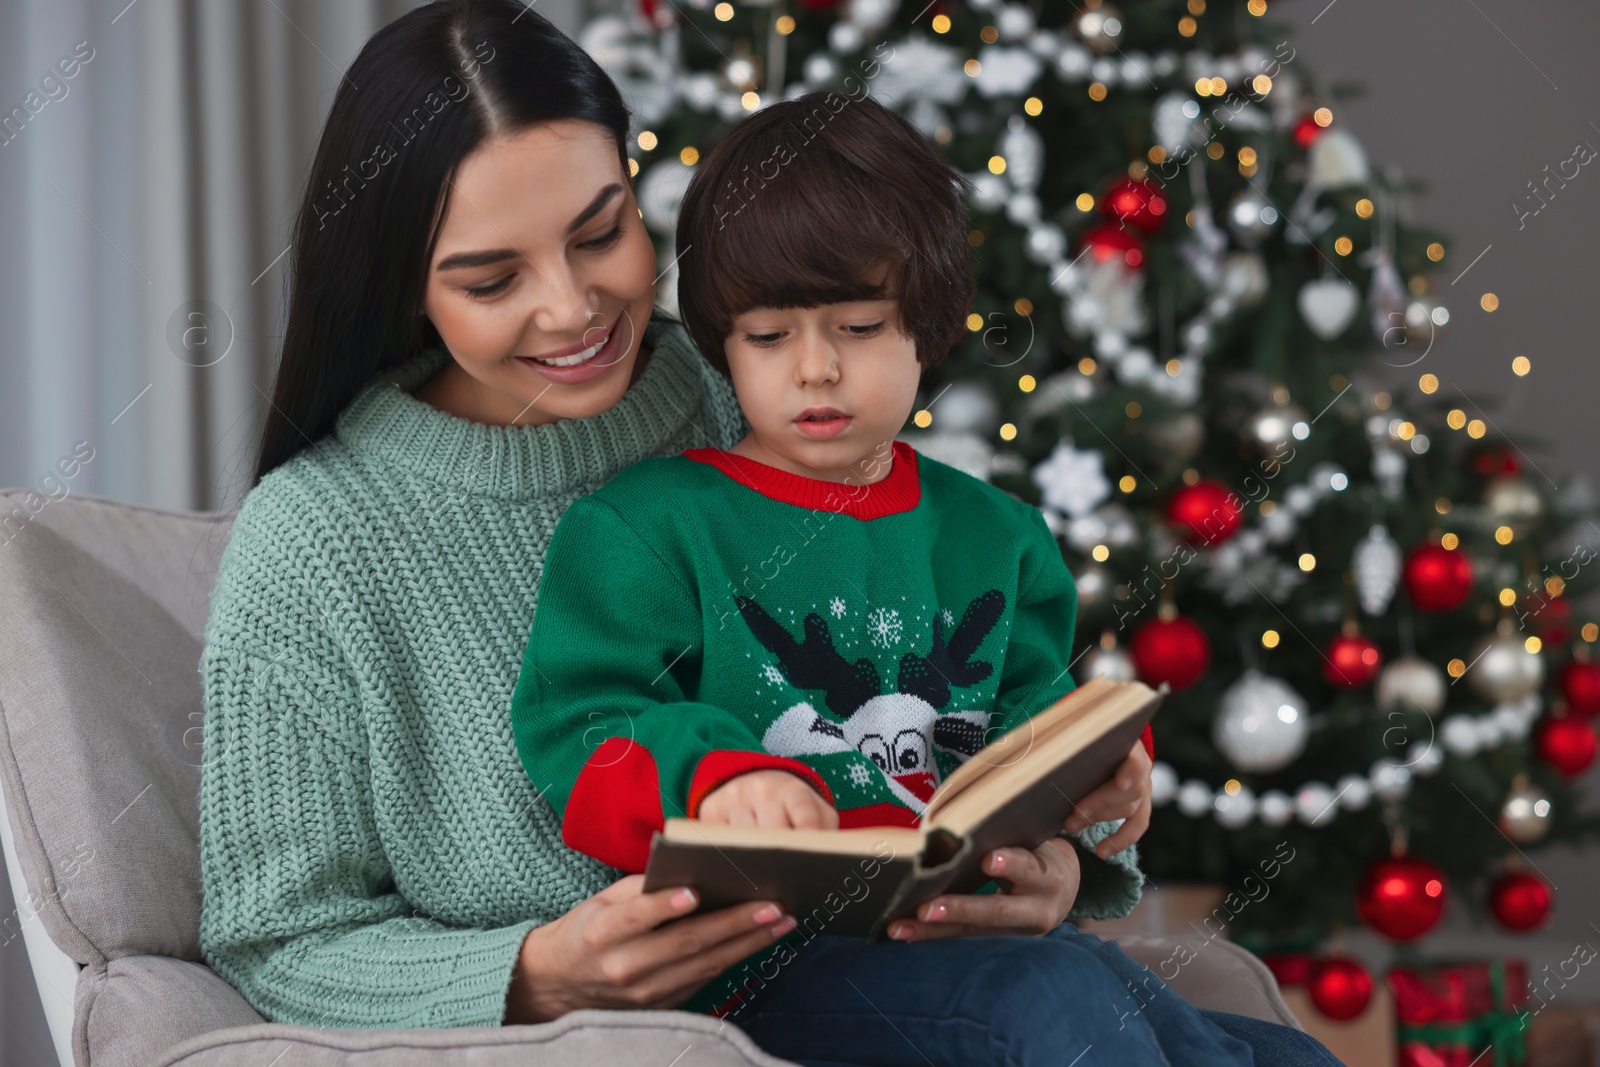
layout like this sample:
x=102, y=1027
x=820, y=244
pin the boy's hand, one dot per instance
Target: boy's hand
x=1126, y=796
x=768, y=798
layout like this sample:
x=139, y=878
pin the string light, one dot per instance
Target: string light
x=1489, y=301
x=1521, y=366
x=785, y=25
x=924, y=418
x=647, y=140
x=1436, y=251
x=941, y=24
x=689, y=156
x=1033, y=105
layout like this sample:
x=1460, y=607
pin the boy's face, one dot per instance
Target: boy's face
x=847, y=366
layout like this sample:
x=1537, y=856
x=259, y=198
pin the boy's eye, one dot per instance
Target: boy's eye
x=483, y=292
x=865, y=331
x=763, y=340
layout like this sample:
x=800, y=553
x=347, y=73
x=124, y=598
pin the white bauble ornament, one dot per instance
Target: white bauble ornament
x=1411, y=683
x=1263, y=723
x=965, y=451
x=1194, y=798
x=1244, y=277
x=1459, y=734
x=1391, y=779
x=1328, y=305
x=1024, y=209
x=1314, y=804
x=989, y=191
x=660, y=193
x=1014, y=22
x=1093, y=584
x=1163, y=783
x=1045, y=243
x=1389, y=470
x=1428, y=761
x=1502, y=669
x=1234, y=810
x=1275, y=807
x=1353, y=792
x=1376, y=563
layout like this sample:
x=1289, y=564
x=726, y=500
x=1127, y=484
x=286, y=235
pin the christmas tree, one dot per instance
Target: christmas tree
x=1207, y=343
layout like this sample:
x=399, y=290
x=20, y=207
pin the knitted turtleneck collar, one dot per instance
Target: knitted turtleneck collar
x=521, y=462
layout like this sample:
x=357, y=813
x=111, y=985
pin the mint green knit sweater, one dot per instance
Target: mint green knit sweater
x=372, y=853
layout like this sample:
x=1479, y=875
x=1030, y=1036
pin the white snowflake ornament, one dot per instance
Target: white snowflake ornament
x=1072, y=481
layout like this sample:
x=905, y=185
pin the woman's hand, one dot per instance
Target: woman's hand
x=608, y=953
x=1038, y=889
x=768, y=798
x=1126, y=796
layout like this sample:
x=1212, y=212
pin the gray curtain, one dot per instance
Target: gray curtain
x=145, y=210
x=152, y=157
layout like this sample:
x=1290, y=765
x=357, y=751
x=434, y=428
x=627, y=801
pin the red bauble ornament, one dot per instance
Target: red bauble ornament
x=1207, y=512
x=1552, y=617
x=1109, y=241
x=1567, y=744
x=1172, y=650
x=1437, y=578
x=1340, y=987
x=1136, y=202
x=1306, y=131
x=1496, y=461
x=1580, y=685
x=819, y=5
x=1352, y=660
x=1520, y=901
x=1401, y=897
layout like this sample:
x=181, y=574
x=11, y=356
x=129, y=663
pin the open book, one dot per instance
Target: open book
x=1016, y=791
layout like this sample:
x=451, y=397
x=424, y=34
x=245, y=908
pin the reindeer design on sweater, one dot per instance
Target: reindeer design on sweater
x=898, y=731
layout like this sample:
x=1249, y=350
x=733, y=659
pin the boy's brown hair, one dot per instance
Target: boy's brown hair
x=805, y=202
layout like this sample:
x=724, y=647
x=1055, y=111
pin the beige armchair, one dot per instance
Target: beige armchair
x=102, y=605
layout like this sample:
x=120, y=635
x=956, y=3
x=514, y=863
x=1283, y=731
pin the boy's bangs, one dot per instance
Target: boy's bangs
x=805, y=249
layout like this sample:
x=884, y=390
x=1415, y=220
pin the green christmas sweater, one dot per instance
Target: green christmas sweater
x=705, y=615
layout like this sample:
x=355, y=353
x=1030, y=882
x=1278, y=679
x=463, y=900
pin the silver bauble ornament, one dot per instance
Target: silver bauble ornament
x=1250, y=217
x=1525, y=814
x=1244, y=277
x=966, y=406
x=1107, y=661
x=1411, y=683
x=1390, y=779
x=1423, y=319
x=1178, y=436
x=1100, y=27
x=1263, y=723
x=1274, y=426
x=1163, y=783
x=1376, y=564
x=1275, y=807
x=1502, y=669
x=1093, y=584
x=1513, y=502
x=1023, y=150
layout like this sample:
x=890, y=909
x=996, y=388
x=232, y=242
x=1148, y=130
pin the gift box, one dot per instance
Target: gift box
x=1461, y=1014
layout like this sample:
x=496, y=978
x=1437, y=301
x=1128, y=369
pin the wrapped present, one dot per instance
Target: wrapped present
x=1451, y=1014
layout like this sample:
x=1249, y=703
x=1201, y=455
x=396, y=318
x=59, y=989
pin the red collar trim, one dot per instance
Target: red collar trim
x=897, y=491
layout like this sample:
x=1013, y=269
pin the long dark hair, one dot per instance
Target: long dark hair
x=425, y=91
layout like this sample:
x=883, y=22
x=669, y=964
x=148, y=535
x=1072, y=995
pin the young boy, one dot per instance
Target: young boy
x=813, y=628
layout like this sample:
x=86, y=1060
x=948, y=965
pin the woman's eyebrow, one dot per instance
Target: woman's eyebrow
x=462, y=260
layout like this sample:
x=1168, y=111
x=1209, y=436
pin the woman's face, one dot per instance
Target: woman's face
x=541, y=256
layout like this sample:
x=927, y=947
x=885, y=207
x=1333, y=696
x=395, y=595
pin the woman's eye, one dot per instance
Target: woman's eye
x=605, y=240
x=483, y=292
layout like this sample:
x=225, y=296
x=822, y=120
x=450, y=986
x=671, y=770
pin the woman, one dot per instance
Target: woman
x=471, y=346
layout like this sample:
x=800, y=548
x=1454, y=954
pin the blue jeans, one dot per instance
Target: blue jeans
x=1066, y=999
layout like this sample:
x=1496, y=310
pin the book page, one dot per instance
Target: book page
x=1005, y=751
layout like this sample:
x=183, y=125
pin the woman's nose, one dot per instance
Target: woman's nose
x=560, y=303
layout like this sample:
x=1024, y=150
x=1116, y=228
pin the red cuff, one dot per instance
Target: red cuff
x=1149, y=741
x=615, y=805
x=721, y=764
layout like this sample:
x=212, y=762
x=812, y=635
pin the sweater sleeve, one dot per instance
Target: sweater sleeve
x=1035, y=676
x=602, y=712
x=300, y=911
